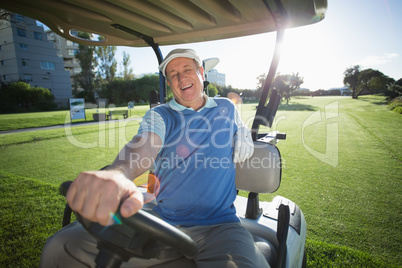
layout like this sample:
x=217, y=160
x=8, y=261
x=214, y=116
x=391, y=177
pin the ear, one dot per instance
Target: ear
x=201, y=70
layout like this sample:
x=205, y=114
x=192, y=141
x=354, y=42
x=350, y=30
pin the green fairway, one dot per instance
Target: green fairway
x=342, y=165
x=42, y=119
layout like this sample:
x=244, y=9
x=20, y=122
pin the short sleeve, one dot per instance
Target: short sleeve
x=153, y=122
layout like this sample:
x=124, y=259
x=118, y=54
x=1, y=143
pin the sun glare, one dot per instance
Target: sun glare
x=304, y=52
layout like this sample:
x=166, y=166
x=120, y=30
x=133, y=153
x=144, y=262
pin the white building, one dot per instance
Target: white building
x=216, y=78
x=26, y=54
x=66, y=49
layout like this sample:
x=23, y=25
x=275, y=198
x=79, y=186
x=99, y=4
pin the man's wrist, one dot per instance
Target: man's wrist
x=122, y=169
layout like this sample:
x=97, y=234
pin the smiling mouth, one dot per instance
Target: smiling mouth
x=186, y=87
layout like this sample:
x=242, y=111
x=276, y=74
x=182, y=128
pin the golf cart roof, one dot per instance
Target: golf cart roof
x=166, y=22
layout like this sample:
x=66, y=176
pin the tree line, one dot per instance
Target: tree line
x=99, y=78
x=369, y=81
x=120, y=90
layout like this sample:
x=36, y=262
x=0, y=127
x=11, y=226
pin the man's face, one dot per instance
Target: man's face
x=186, y=81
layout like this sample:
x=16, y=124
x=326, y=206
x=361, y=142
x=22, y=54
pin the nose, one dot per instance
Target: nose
x=181, y=76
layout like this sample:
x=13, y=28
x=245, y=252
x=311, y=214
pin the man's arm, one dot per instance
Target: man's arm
x=96, y=195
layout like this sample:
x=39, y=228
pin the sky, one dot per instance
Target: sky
x=354, y=32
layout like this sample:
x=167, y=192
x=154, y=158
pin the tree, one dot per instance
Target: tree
x=286, y=84
x=394, y=90
x=373, y=81
x=85, y=79
x=127, y=73
x=351, y=79
x=212, y=90
x=146, y=84
x=5, y=15
x=120, y=91
x=106, y=63
x=261, y=80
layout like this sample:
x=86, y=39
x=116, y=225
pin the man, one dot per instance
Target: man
x=193, y=143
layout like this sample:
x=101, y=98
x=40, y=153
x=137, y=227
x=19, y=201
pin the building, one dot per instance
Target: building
x=66, y=49
x=216, y=78
x=26, y=55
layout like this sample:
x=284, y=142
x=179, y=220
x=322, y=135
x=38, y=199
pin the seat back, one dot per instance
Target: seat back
x=262, y=172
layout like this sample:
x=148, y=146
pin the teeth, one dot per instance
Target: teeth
x=183, y=88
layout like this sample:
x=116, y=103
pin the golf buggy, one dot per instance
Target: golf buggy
x=278, y=227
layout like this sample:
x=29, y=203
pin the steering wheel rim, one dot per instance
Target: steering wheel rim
x=142, y=222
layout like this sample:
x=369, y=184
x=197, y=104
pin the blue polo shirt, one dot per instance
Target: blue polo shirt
x=195, y=164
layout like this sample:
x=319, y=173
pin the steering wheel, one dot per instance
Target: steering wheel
x=133, y=236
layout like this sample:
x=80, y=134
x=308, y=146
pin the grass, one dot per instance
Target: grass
x=42, y=119
x=31, y=210
x=353, y=199
x=348, y=188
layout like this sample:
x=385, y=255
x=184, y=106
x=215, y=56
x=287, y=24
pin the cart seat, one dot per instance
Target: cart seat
x=261, y=173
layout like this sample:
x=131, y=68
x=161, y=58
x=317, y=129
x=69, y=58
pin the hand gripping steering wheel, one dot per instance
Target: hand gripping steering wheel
x=133, y=236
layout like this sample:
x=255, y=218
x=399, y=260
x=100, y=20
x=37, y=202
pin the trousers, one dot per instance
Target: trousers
x=222, y=245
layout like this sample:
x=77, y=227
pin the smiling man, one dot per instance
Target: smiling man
x=193, y=142
x=185, y=76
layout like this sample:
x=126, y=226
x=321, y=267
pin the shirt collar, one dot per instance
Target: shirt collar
x=209, y=103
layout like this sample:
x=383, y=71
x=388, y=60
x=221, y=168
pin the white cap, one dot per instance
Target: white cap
x=179, y=53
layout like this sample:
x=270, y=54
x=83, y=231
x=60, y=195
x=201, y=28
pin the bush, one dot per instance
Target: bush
x=396, y=105
x=398, y=110
x=21, y=97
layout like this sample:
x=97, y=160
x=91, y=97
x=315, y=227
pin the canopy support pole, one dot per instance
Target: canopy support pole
x=264, y=115
x=150, y=41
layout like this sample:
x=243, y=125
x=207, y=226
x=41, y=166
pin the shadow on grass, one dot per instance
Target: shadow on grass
x=297, y=107
x=373, y=100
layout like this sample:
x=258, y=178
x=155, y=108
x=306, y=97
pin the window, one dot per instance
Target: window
x=71, y=44
x=27, y=77
x=46, y=77
x=72, y=52
x=23, y=46
x=2, y=63
x=18, y=17
x=38, y=35
x=25, y=62
x=47, y=65
x=21, y=32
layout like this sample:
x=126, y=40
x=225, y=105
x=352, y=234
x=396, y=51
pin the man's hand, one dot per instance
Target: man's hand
x=96, y=195
x=244, y=146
